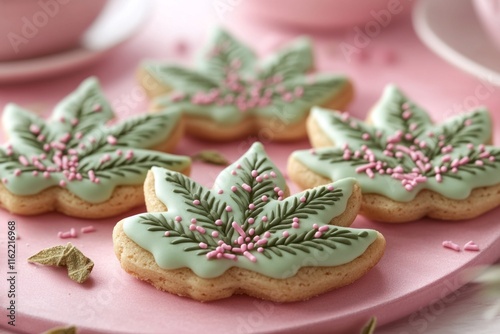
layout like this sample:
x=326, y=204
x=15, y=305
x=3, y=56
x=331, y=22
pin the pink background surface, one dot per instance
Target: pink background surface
x=415, y=271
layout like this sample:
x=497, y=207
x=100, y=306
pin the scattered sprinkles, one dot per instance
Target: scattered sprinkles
x=451, y=245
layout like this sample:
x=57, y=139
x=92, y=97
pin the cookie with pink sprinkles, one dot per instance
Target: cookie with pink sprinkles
x=77, y=163
x=246, y=235
x=232, y=95
x=407, y=166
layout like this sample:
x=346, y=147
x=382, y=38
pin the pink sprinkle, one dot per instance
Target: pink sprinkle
x=318, y=234
x=238, y=229
x=229, y=209
x=62, y=183
x=233, y=172
x=471, y=246
x=196, y=202
x=286, y=234
x=234, y=189
x=87, y=229
x=295, y=219
x=330, y=187
x=365, y=136
x=200, y=229
x=468, y=122
x=246, y=187
x=451, y=245
x=258, y=179
x=192, y=227
x=479, y=162
x=407, y=114
x=295, y=225
x=218, y=222
x=74, y=121
x=251, y=206
x=408, y=187
x=264, y=218
x=267, y=234
x=96, y=108
x=35, y=173
x=264, y=198
x=287, y=97
x=4, y=180
x=273, y=174
x=255, y=173
x=251, y=220
x=129, y=155
x=324, y=228
x=260, y=249
x=23, y=160
x=220, y=191
x=64, y=235
x=167, y=233
x=215, y=234
x=78, y=135
x=303, y=199
x=111, y=140
x=193, y=221
x=202, y=245
x=34, y=129
x=315, y=226
x=46, y=174
x=178, y=218
x=17, y=172
x=250, y=256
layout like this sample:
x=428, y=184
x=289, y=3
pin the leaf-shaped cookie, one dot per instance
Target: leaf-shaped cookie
x=78, y=151
x=400, y=155
x=232, y=96
x=246, y=221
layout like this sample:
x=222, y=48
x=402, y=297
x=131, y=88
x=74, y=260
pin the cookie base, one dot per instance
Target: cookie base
x=183, y=282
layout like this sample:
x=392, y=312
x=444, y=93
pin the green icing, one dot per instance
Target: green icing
x=281, y=256
x=231, y=86
x=465, y=134
x=77, y=131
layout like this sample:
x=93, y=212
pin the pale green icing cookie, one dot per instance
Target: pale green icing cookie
x=402, y=152
x=231, y=85
x=77, y=150
x=245, y=222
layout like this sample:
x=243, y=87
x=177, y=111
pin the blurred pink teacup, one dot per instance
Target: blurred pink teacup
x=34, y=28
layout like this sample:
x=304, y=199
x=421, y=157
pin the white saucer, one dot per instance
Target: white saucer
x=452, y=30
x=99, y=39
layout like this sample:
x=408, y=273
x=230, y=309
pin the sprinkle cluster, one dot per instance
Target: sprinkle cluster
x=409, y=159
x=246, y=239
x=59, y=157
x=243, y=93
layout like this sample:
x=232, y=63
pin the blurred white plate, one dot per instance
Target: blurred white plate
x=117, y=23
x=452, y=30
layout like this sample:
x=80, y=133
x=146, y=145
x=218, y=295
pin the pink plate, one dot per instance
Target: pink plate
x=415, y=271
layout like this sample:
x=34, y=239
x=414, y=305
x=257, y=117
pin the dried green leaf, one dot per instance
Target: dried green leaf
x=211, y=156
x=79, y=266
x=369, y=328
